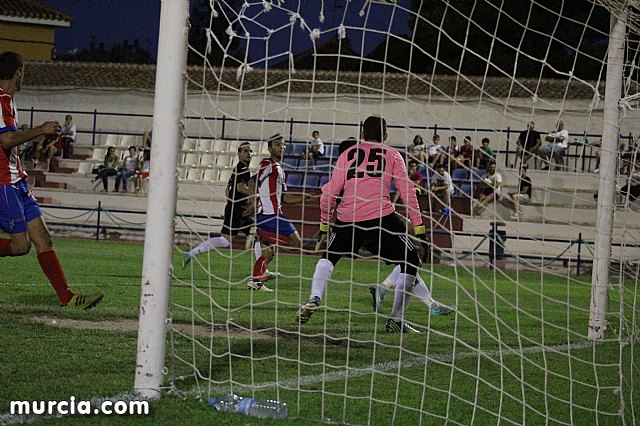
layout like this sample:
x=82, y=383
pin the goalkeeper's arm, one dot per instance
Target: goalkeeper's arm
x=322, y=240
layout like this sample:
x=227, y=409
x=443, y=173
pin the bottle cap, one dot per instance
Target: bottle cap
x=213, y=401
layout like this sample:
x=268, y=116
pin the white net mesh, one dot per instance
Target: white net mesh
x=516, y=349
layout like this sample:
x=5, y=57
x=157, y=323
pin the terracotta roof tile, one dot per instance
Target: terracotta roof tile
x=32, y=10
x=138, y=76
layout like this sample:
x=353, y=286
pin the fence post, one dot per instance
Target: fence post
x=31, y=118
x=224, y=123
x=93, y=133
x=579, y=251
x=291, y=130
x=98, y=221
x=507, y=153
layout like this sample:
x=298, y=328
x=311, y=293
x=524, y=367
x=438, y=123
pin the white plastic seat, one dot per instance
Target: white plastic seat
x=188, y=145
x=204, y=145
x=191, y=159
x=194, y=175
x=112, y=140
x=127, y=141
x=210, y=175
x=85, y=167
x=99, y=154
x=220, y=146
x=207, y=160
x=225, y=175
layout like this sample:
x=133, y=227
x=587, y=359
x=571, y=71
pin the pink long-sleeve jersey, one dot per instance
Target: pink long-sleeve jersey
x=362, y=177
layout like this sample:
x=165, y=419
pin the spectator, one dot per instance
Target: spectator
x=628, y=158
x=491, y=184
x=316, y=146
x=48, y=147
x=109, y=168
x=467, y=152
x=632, y=188
x=68, y=136
x=484, y=155
x=416, y=177
x=442, y=187
x=453, y=151
x=130, y=166
x=436, y=152
x=558, y=142
x=528, y=144
x=523, y=196
x=145, y=167
x=417, y=150
x=146, y=139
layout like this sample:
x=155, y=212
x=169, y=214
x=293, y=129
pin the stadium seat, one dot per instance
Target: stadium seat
x=191, y=159
x=299, y=148
x=459, y=174
x=305, y=164
x=204, y=145
x=188, y=145
x=225, y=175
x=194, y=174
x=323, y=166
x=323, y=179
x=294, y=180
x=332, y=152
x=85, y=167
x=465, y=190
x=220, y=146
x=210, y=175
x=99, y=154
x=112, y=140
x=290, y=164
x=207, y=160
x=128, y=140
x=311, y=181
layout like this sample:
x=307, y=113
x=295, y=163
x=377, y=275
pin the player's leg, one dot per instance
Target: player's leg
x=421, y=291
x=272, y=230
x=342, y=239
x=378, y=291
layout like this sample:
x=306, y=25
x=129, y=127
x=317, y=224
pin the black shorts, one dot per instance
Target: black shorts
x=385, y=237
x=234, y=223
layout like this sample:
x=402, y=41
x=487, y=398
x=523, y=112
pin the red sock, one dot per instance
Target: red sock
x=51, y=267
x=260, y=267
x=5, y=247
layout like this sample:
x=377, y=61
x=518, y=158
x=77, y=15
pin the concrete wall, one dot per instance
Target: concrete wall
x=273, y=114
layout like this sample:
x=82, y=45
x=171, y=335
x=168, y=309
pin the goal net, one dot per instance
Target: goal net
x=532, y=278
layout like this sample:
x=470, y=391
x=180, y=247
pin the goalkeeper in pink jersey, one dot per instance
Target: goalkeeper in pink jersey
x=365, y=216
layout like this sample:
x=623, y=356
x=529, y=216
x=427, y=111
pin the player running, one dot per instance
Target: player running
x=20, y=215
x=236, y=221
x=272, y=226
x=365, y=216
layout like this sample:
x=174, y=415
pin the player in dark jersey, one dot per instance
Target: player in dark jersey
x=235, y=221
x=20, y=215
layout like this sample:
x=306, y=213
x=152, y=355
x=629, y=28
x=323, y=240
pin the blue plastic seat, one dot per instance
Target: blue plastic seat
x=290, y=164
x=294, y=180
x=323, y=179
x=311, y=181
x=460, y=174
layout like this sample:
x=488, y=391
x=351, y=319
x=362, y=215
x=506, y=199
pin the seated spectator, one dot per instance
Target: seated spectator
x=485, y=155
x=436, y=152
x=528, y=144
x=628, y=158
x=416, y=177
x=130, y=166
x=523, y=196
x=454, y=154
x=442, y=187
x=467, y=152
x=558, y=142
x=68, y=136
x=490, y=187
x=417, y=150
x=109, y=168
x=316, y=149
x=47, y=147
x=632, y=188
x=145, y=167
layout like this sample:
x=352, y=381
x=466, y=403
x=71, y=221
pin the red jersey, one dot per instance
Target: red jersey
x=270, y=181
x=10, y=169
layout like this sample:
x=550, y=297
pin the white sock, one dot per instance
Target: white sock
x=421, y=291
x=210, y=244
x=321, y=276
x=389, y=282
x=404, y=288
x=257, y=249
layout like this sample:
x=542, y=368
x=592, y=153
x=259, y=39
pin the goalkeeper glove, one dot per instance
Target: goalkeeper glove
x=322, y=241
x=421, y=234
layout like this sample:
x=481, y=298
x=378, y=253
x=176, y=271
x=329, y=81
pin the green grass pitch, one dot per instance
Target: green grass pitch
x=482, y=366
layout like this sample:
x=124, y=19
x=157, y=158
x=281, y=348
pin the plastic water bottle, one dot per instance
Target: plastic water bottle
x=262, y=408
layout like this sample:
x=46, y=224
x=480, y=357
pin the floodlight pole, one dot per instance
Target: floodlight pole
x=607, y=179
x=161, y=206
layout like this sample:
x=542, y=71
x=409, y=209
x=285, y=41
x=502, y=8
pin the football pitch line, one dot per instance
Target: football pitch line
x=416, y=361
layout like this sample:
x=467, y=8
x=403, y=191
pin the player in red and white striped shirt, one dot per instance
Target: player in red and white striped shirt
x=273, y=227
x=20, y=215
